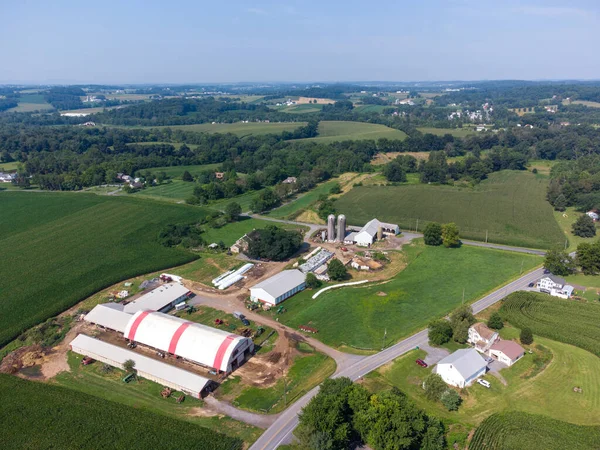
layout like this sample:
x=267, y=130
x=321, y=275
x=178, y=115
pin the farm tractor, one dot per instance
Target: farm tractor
x=281, y=310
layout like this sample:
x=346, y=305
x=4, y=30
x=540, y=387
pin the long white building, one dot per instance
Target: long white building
x=162, y=298
x=192, y=341
x=368, y=234
x=276, y=289
x=151, y=369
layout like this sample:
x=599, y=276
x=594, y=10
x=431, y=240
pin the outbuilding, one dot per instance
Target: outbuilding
x=368, y=234
x=163, y=298
x=462, y=367
x=201, y=344
x=276, y=289
x=507, y=352
x=109, y=315
x=151, y=369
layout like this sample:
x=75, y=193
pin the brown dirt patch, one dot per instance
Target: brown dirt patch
x=381, y=294
x=203, y=412
x=320, y=101
x=384, y=158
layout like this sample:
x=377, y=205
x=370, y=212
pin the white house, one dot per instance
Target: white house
x=507, y=352
x=461, y=368
x=594, y=215
x=481, y=337
x=555, y=286
x=276, y=289
x=7, y=177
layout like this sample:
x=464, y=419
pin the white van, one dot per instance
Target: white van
x=484, y=383
x=181, y=306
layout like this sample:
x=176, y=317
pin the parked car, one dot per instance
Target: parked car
x=489, y=359
x=421, y=363
x=238, y=315
x=87, y=360
x=546, y=271
x=531, y=284
x=245, y=321
x=484, y=383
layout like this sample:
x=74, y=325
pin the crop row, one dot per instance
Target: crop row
x=518, y=430
x=566, y=321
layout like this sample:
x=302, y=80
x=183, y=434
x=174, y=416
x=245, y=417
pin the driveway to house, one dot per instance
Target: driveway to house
x=281, y=430
x=434, y=354
x=258, y=420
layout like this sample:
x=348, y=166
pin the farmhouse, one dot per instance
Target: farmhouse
x=192, y=341
x=461, y=368
x=481, y=337
x=109, y=315
x=507, y=352
x=163, y=298
x=241, y=245
x=289, y=180
x=555, y=286
x=276, y=289
x=7, y=177
x=151, y=369
x=368, y=234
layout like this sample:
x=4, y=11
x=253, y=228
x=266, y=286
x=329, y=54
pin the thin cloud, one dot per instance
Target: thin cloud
x=552, y=11
x=257, y=11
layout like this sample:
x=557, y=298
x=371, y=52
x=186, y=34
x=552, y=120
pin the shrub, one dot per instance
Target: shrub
x=312, y=282
x=526, y=336
x=450, y=235
x=432, y=235
x=496, y=322
x=434, y=387
x=584, y=227
x=451, y=400
x=440, y=332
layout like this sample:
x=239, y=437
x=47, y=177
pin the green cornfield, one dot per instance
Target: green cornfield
x=38, y=415
x=566, y=321
x=520, y=431
x=59, y=248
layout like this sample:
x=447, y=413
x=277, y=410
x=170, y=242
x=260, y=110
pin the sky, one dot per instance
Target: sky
x=198, y=41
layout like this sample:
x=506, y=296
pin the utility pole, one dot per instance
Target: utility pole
x=521, y=272
x=463, y=300
x=284, y=391
x=383, y=342
x=486, y=236
x=417, y=227
x=566, y=243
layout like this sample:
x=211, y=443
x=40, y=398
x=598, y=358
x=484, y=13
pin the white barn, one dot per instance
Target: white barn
x=462, y=367
x=368, y=234
x=151, y=369
x=109, y=315
x=163, y=298
x=276, y=289
x=207, y=346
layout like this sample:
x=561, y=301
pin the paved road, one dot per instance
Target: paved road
x=281, y=430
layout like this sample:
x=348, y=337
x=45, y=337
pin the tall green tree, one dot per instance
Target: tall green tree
x=233, y=211
x=588, y=258
x=432, y=235
x=584, y=227
x=495, y=322
x=526, y=336
x=336, y=270
x=450, y=235
x=559, y=262
x=440, y=332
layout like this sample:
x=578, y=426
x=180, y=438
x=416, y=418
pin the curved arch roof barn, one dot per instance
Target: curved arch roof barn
x=195, y=342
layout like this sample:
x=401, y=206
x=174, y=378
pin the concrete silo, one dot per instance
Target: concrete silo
x=331, y=228
x=341, y=228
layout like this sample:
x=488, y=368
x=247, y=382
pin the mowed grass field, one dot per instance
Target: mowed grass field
x=238, y=128
x=530, y=387
x=58, y=249
x=32, y=102
x=336, y=130
x=428, y=288
x=177, y=171
x=303, y=201
x=517, y=431
x=36, y=415
x=177, y=191
x=510, y=206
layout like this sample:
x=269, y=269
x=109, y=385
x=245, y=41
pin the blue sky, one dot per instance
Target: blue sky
x=182, y=41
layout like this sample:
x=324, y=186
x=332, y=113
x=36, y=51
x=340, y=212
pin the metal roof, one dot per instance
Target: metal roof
x=483, y=330
x=199, y=343
x=373, y=225
x=109, y=315
x=92, y=347
x=556, y=279
x=157, y=298
x=467, y=361
x=281, y=283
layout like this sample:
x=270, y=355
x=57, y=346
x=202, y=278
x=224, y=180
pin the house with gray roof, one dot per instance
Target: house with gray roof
x=461, y=368
x=276, y=289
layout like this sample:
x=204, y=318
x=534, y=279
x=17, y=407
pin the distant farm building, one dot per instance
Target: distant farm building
x=555, y=286
x=276, y=289
x=364, y=264
x=207, y=346
x=369, y=233
x=592, y=214
x=7, y=177
x=289, y=180
x=161, y=299
x=219, y=175
x=151, y=369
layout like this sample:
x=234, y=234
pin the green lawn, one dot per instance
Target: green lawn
x=177, y=191
x=456, y=132
x=547, y=391
x=59, y=248
x=300, y=109
x=565, y=221
x=207, y=267
x=336, y=130
x=365, y=109
x=235, y=230
x=510, y=206
x=144, y=395
x=244, y=200
x=430, y=287
x=36, y=415
x=9, y=166
x=238, y=128
x=303, y=201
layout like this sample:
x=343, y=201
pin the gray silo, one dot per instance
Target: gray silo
x=331, y=228
x=379, y=233
x=341, y=228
